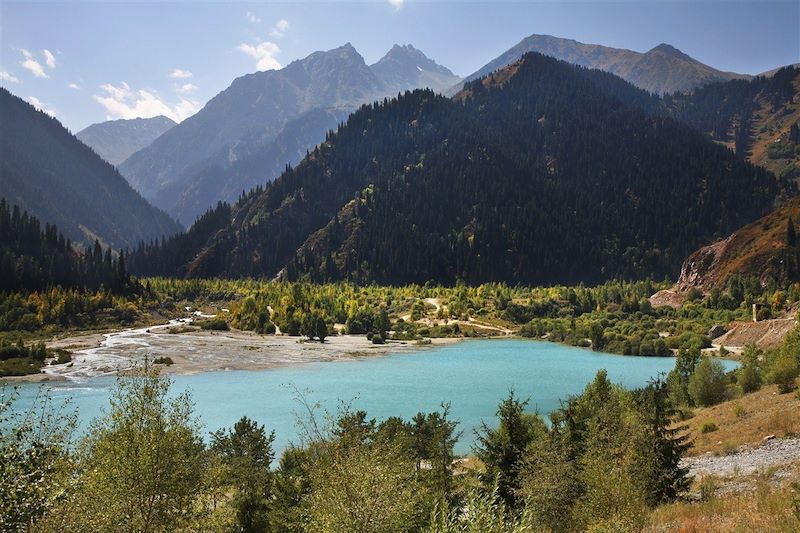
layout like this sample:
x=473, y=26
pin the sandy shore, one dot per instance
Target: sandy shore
x=196, y=351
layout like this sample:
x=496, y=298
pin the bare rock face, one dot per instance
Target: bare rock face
x=698, y=269
x=716, y=331
x=668, y=297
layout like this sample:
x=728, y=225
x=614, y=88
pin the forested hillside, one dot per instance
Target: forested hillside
x=541, y=175
x=49, y=173
x=757, y=118
x=32, y=258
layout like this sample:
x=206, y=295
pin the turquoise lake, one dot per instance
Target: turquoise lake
x=472, y=375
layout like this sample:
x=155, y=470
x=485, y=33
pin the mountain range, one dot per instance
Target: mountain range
x=250, y=132
x=544, y=172
x=663, y=69
x=273, y=117
x=116, y=140
x=49, y=173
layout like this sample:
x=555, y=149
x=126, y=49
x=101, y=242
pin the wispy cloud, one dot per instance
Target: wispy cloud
x=30, y=64
x=264, y=54
x=41, y=106
x=120, y=101
x=396, y=4
x=49, y=58
x=180, y=74
x=279, y=29
x=252, y=17
x=186, y=88
x=73, y=86
x=8, y=77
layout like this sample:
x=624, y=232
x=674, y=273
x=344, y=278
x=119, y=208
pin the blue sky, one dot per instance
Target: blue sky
x=90, y=61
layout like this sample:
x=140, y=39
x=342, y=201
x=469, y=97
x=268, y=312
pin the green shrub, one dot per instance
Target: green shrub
x=709, y=426
x=19, y=367
x=62, y=357
x=749, y=379
x=377, y=339
x=163, y=361
x=784, y=372
x=216, y=323
x=707, y=385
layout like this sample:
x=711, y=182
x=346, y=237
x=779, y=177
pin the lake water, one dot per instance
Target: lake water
x=474, y=376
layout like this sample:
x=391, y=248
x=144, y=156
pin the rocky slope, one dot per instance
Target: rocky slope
x=760, y=249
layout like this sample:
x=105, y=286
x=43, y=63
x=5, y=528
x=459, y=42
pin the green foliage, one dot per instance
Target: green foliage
x=34, y=461
x=502, y=449
x=678, y=379
x=364, y=476
x=609, y=455
x=143, y=461
x=33, y=259
x=784, y=370
x=163, y=361
x=246, y=452
x=550, y=484
x=709, y=426
x=708, y=384
x=313, y=325
x=17, y=359
x=217, y=324
x=482, y=512
x=784, y=364
x=749, y=374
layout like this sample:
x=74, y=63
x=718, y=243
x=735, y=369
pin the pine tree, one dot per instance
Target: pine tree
x=662, y=447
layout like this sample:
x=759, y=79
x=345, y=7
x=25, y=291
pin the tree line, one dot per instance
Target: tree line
x=33, y=258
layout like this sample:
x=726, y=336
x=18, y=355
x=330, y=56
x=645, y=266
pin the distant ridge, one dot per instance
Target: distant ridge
x=116, y=140
x=663, y=69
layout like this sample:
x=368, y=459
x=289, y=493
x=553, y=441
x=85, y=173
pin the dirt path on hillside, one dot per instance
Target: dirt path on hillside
x=437, y=304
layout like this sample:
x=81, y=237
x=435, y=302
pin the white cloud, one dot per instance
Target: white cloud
x=120, y=101
x=49, y=58
x=252, y=17
x=41, y=106
x=279, y=29
x=8, y=77
x=30, y=64
x=73, y=86
x=186, y=88
x=396, y=4
x=180, y=74
x=264, y=54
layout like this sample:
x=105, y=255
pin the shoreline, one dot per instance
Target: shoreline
x=197, y=351
x=193, y=350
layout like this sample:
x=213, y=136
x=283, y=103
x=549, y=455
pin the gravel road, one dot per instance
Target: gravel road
x=774, y=452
